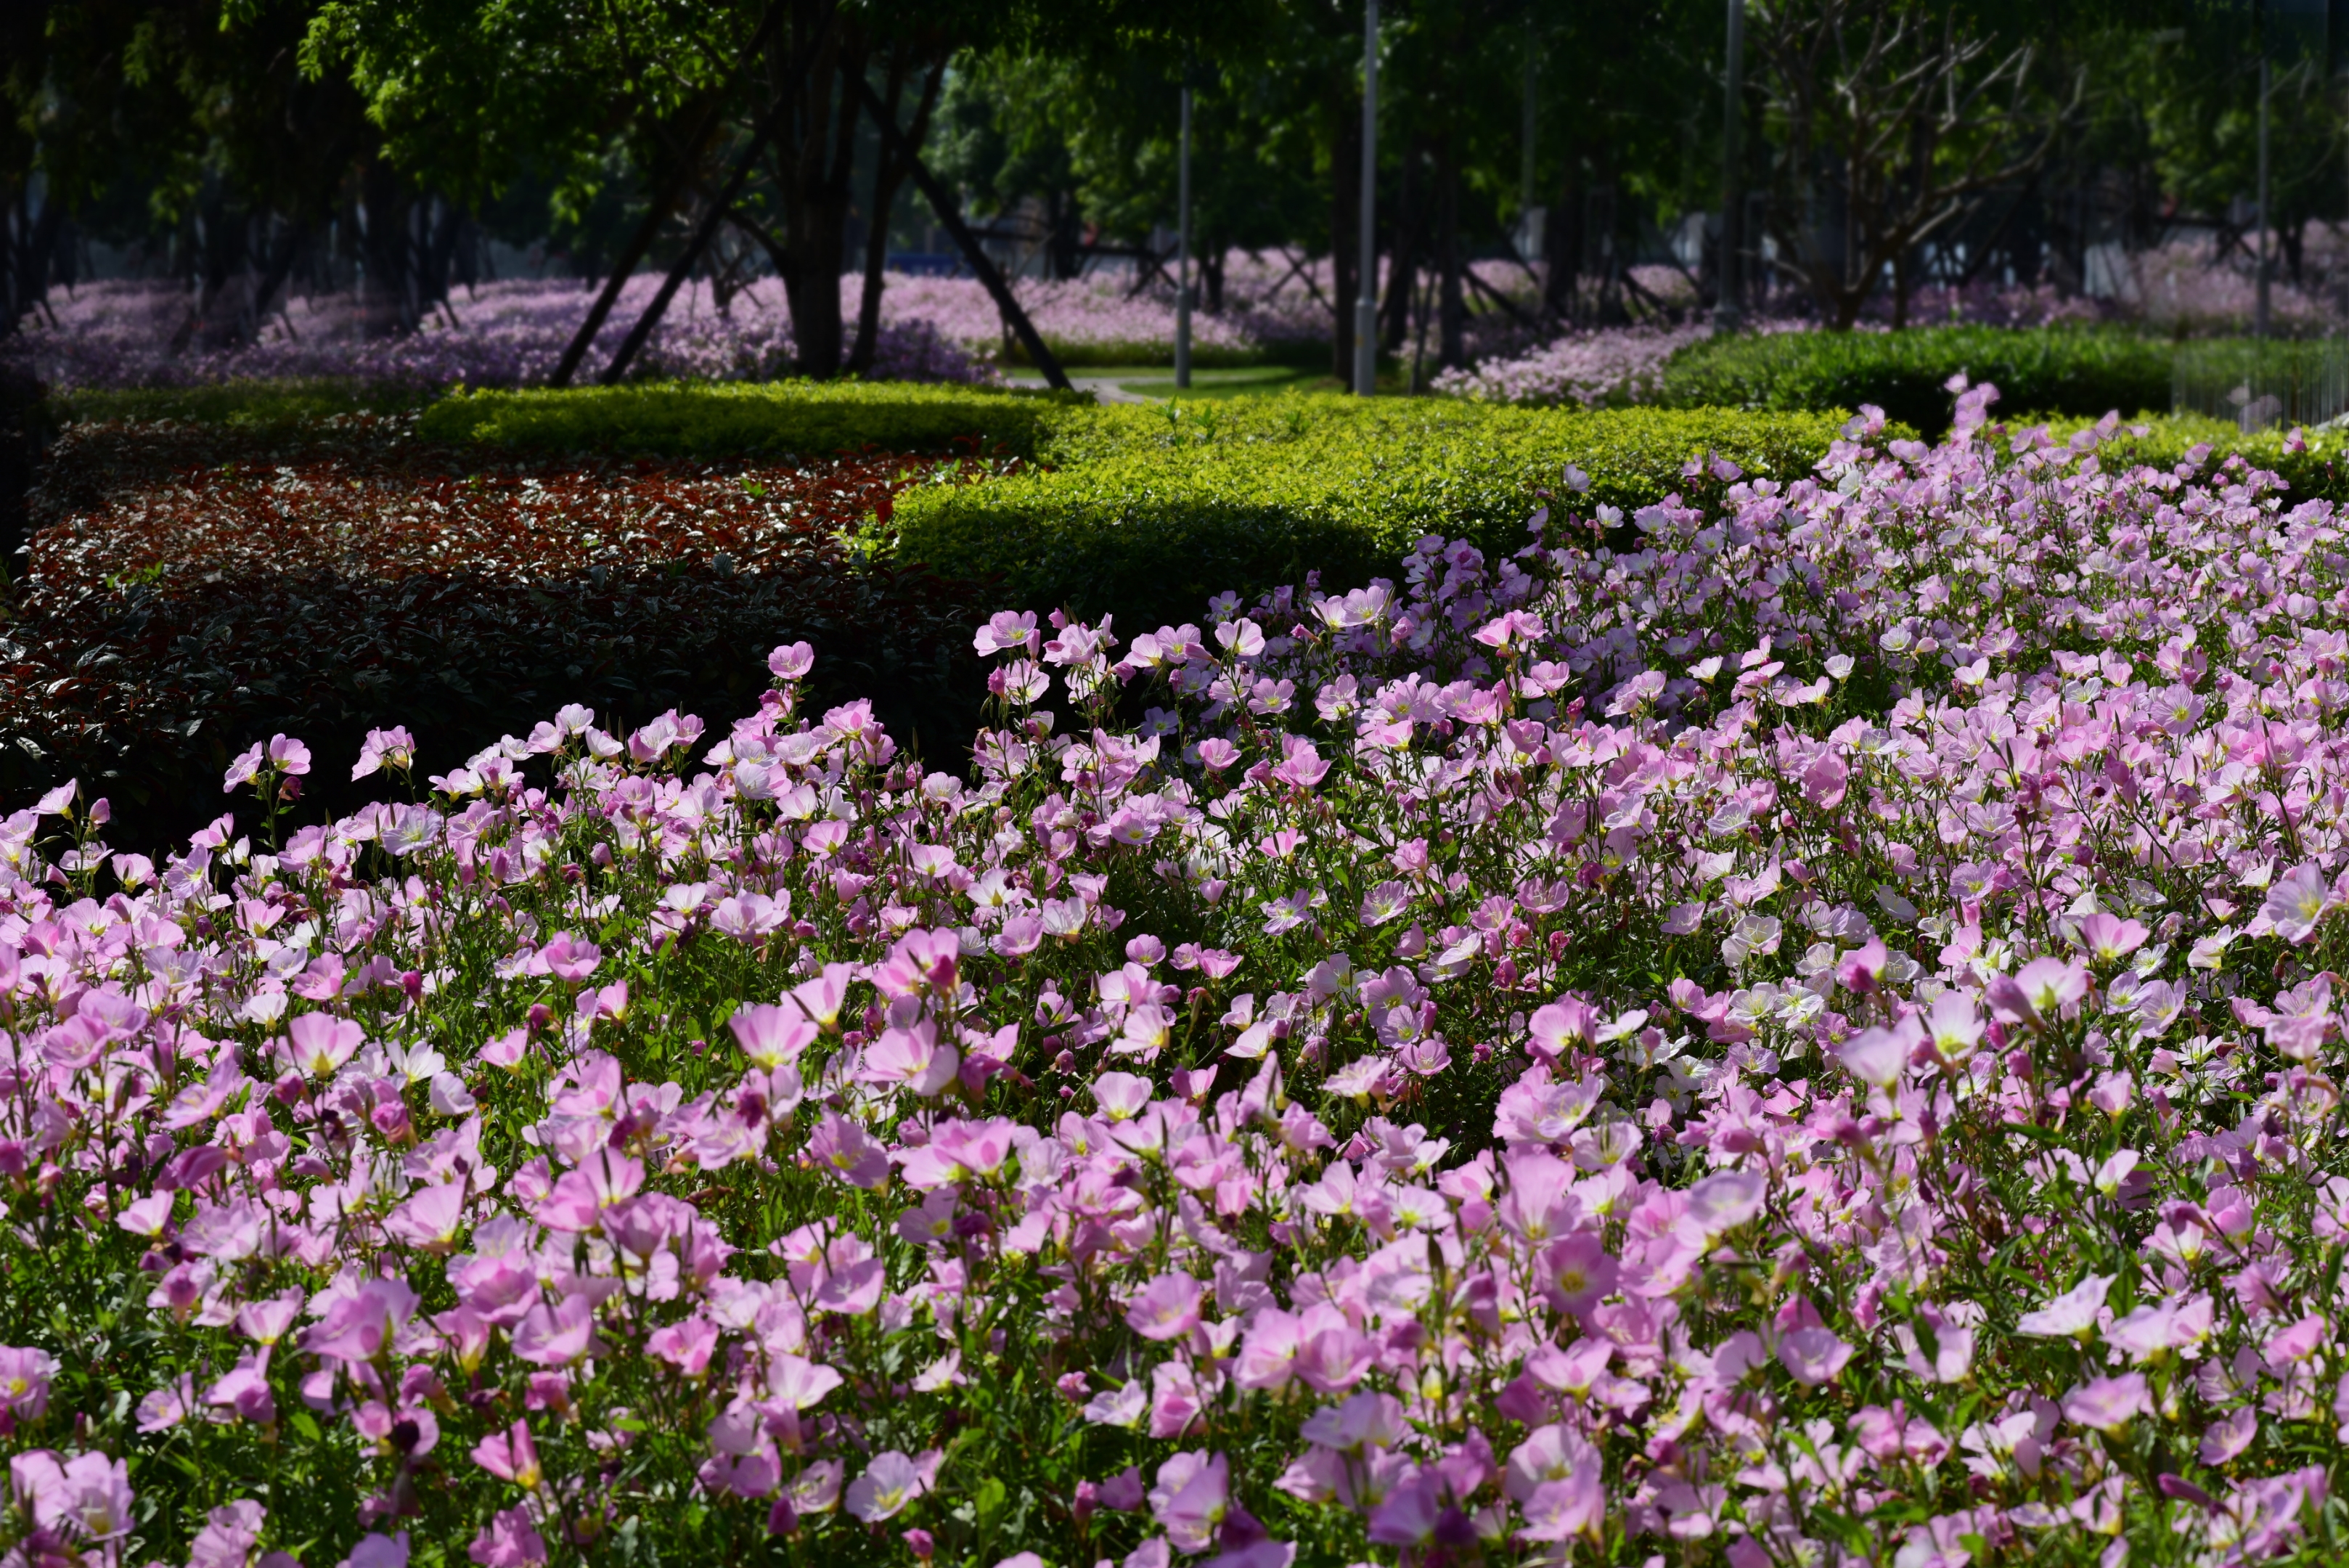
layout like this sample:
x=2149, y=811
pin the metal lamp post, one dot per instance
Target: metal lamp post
x=1182, y=252
x=1366, y=302
x=1726, y=312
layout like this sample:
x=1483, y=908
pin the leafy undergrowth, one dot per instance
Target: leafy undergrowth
x=193, y=588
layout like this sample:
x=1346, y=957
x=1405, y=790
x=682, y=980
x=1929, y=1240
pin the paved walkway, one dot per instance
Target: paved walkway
x=1101, y=385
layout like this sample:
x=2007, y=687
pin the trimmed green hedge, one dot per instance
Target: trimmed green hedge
x=1146, y=512
x=2079, y=371
x=733, y=419
x=246, y=404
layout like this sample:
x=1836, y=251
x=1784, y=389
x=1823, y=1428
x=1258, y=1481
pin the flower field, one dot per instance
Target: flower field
x=1810, y=1040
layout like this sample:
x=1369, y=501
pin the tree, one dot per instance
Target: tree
x=1891, y=120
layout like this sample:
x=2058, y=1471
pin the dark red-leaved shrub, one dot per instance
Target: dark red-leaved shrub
x=192, y=589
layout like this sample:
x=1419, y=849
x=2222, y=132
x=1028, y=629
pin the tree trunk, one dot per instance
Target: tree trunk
x=272, y=277
x=888, y=177
x=1452, y=349
x=34, y=243
x=386, y=300
x=1402, y=273
x=1562, y=253
x=1067, y=234
x=1211, y=277
x=1345, y=217
x=816, y=159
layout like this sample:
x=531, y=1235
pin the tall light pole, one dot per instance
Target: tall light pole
x=1366, y=301
x=2260, y=328
x=1726, y=310
x=1183, y=247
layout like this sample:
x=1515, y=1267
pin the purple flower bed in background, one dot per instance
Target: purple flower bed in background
x=502, y=335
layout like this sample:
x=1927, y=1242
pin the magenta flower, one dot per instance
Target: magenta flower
x=771, y=1035
x=2296, y=901
x=1189, y=1500
x=377, y=1551
x=288, y=755
x=1553, y=1477
x=26, y=1375
x=1724, y=1201
x=244, y=768
x=1167, y=1308
x=229, y=1536
x=2109, y=1404
x=359, y=1326
x=556, y=1335
x=509, y=1541
x=1813, y=1355
x=889, y=1483
x=321, y=1042
x=510, y=1455
x=2073, y=1314
x=842, y=1147
x=567, y=957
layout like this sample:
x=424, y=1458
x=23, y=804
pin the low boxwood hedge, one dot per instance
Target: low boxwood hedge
x=749, y=419
x=2081, y=371
x=1146, y=512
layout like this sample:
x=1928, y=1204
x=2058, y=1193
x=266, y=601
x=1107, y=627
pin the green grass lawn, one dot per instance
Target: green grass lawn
x=1251, y=381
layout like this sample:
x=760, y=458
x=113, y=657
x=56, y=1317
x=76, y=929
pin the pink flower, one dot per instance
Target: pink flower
x=1875, y=1057
x=393, y=748
x=26, y=1375
x=890, y=1482
x=1008, y=630
x=510, y=1541
x=1813, y=1355
x=378, y=1551
x=1725, y=1200
x=1167, y=1308
x=2296, y=901
x=567, y=957
x=771, y=1035
x=230, y=1533
x=1554, y=1476
x=1581, y=1271
x=1189, y=1500
x=2226, y=1438
x=243, y=769
x=1268, y=1354
x=359, y=1326
x=558, y=1335
x=2109, y=939
x=2109, y=1404
x=2073, y=1314
x=579, y=1199
x=431, y=1219
x=912, y=1057
x=322, y=1042
x=288, y=755
x=842, y=1147
x=510, y=1455
x=853, y=1290
x=1331, y=1355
